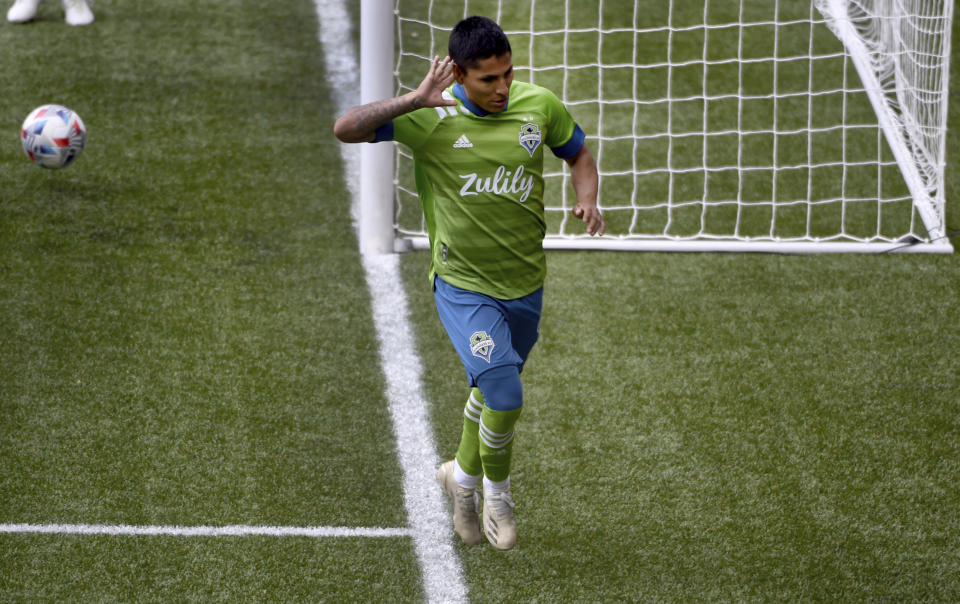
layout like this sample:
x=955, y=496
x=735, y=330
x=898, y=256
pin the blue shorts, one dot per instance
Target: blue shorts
x=488, y=332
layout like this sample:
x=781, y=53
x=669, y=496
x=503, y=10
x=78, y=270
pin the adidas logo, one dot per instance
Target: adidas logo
x=463, y=142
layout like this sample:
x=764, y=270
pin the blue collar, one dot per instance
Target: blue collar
x=461, y=94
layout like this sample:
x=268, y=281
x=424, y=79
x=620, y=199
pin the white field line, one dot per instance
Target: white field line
x=237, y=530
x=426, y=510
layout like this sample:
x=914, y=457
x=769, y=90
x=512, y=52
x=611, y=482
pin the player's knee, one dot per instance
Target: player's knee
x=501, y=388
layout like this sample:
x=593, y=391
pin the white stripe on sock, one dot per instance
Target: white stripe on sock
x=494, y=440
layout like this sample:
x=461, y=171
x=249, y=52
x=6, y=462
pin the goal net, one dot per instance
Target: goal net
x=732, y=125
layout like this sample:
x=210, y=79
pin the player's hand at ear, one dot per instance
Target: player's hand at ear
x=439, y=77
x=591, y=216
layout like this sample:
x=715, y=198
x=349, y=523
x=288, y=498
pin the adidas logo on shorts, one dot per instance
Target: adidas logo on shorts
x=463, y=142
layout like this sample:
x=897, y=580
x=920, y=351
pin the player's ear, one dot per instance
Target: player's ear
x=459, y=73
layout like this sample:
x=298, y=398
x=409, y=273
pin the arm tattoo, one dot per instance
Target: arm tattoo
x=367, y=118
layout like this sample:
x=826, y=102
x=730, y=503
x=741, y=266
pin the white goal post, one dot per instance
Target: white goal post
x=795, y=126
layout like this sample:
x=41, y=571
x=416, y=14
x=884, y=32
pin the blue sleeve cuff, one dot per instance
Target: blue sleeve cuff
x=572, y=146
x=384, y=133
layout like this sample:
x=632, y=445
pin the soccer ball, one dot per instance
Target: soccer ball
x=53, y=136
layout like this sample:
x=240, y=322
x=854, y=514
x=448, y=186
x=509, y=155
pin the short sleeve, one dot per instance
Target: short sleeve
x=412, y=129
x=564, y=137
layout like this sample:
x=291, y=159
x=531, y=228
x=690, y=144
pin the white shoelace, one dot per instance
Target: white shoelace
x=502, y=504
x=468, y=499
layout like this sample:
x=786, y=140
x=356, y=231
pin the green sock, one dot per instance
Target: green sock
x=496, y=442
x=468, y=454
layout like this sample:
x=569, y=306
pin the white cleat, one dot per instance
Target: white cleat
x=466, y=521
x=76, y=12
x=498, y=523
x=23, y=11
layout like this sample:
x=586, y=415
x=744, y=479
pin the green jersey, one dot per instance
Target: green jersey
x=479, y=176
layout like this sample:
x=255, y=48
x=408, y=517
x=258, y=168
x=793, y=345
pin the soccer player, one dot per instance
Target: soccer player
x=478, y=139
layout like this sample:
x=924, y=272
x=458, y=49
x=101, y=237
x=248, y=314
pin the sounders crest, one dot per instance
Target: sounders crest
x=481, y=345
x=530, y=137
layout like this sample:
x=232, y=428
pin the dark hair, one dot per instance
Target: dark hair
x=476, y=38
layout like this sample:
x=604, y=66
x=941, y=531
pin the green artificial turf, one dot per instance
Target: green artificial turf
x=185, y=339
